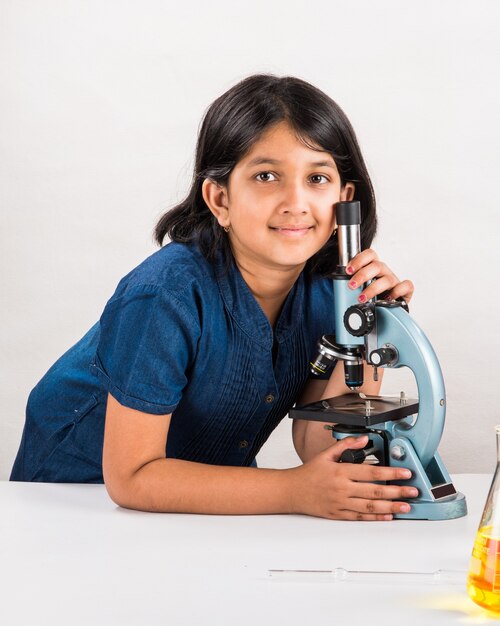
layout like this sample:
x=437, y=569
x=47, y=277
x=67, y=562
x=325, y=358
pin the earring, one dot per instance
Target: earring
x=334, y=233
x=226, y=228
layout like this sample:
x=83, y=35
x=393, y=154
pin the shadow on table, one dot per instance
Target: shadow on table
x=458, y=603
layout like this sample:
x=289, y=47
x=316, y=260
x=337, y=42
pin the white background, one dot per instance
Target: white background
x=100, y=104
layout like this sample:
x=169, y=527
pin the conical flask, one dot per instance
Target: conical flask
x=483, y=583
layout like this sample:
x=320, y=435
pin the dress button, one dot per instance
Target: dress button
x=243, y=444
x=269, y=398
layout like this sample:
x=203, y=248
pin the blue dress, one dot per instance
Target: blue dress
x=184, y=336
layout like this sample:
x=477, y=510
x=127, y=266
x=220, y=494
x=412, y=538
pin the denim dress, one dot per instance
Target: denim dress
x=183, y=336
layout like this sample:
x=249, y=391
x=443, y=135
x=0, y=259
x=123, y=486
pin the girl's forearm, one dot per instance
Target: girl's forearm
x=316, y=439
x=176, y=486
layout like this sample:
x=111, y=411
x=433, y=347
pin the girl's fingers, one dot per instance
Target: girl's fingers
x=360, y=260
x=375, y=269
x=334, y=452
x=364, y=517
x=367, y=266
x=404, y=289
x=377, y=287
x=363, y=472
x=383, y=492
x=377, y=507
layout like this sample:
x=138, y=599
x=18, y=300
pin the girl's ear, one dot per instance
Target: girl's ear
x=215, y=197
x=347, y=192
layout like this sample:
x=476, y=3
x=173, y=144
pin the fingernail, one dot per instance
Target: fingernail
x=387, y=518
x=405, y=508
x=353, y=284
x=349, y=269
x=405, y=473
x=413, y=492
x=362, y=298
x=363, y=439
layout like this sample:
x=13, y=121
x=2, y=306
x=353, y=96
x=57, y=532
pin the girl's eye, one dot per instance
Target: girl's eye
x=265, y=177
x=319, y=178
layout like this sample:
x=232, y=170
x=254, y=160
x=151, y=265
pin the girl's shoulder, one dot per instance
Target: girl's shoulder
x=176, y=268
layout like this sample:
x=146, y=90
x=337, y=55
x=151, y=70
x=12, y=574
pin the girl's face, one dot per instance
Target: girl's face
x=279, y=202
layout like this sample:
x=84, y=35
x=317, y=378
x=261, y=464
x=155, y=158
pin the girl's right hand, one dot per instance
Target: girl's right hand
x=323, y=487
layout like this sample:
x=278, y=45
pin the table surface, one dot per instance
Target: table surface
x=70, y=556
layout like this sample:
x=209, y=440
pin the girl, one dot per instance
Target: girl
x=204, y=347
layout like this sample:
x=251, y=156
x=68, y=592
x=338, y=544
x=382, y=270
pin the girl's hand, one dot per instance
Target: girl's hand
x=367, y=266
x=326, y=488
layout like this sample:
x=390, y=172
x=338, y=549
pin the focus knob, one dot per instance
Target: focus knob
x=382, y=356
x=359, y=319
x=353, y=456
x=356, y=455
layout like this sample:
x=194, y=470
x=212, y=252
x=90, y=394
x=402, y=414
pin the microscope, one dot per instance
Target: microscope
x=402, y=432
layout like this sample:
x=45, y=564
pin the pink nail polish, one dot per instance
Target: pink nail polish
x=353, y=284
x=362, y=298
x=349, y=269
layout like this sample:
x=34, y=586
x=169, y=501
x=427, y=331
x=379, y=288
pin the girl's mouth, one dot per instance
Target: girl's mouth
x=292, y=231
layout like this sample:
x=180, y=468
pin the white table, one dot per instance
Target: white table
x=69, y=556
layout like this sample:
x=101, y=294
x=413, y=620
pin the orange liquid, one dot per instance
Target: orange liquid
x=483, y=583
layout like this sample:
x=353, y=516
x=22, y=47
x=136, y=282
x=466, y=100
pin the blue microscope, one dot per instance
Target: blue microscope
x=402, y=432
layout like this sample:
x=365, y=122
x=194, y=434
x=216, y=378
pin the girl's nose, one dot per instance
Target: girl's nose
x=294, y=199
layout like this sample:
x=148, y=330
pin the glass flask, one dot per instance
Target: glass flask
x=483, y=582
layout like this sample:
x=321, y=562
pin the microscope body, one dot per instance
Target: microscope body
x=401, y=432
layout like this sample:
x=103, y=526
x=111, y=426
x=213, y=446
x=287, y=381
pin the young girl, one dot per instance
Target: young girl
x=205, y=346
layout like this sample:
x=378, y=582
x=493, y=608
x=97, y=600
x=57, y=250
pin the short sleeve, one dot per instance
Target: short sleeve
x=148, y=340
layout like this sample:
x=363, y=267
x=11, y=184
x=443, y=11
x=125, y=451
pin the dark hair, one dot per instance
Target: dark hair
x=231, y=126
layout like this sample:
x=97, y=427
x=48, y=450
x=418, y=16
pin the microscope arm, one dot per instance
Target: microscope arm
x=397, y=328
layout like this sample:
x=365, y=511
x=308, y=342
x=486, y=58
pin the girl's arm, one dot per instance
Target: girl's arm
x=138, y=476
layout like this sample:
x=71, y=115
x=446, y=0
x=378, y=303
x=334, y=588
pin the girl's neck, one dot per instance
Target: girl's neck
x=269, y=286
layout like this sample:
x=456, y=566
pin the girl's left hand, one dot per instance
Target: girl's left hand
x=367, y=266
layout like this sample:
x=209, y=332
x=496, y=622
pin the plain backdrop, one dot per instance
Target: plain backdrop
x=100, y=104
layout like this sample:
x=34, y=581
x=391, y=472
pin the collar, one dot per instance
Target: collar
x=247, y=312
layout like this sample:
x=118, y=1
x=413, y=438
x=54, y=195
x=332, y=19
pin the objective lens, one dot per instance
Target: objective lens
x=326, y=356
x=353, y=372
x=321, y=365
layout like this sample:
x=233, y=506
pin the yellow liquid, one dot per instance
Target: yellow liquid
x=483, y=583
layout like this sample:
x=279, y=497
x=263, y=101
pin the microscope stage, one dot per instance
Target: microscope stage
x=351, y=409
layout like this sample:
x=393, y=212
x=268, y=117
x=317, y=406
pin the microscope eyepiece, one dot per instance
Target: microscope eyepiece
x=348, y=213
x=348, y=216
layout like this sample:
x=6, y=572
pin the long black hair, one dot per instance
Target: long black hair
x=233, y=123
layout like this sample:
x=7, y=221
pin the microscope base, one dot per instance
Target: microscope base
x=438, y=498
x=450, y=509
